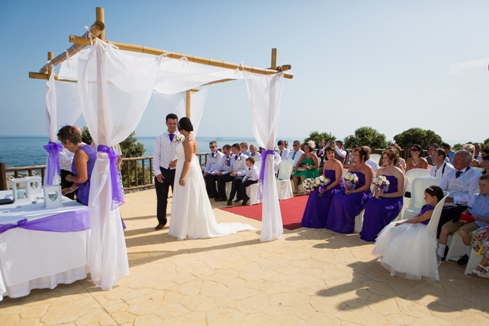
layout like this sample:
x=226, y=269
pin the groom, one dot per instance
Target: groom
x=164, y=163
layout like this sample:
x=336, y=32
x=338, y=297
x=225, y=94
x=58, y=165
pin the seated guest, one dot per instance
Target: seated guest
x=480, y=243
x=340, y=150
x=471, y=149
x=283, y=152
x=306, y=167
x=478, y=213
x=416, y=161
x=441, y=167
x=346, y=205
x=276, y=162
x=387, y=203
x=374, y=165
x=319, y=201
x=477, y=152
x=461, y=183
x=401, y=163
x=320, y=153
x=431, y=148
x=250, y=178
x=83, y=163
x=296, y=154
x=238, y=171
x=404, y=246
x=253, y=153
x=485, y=160
x=212, y=167
x=244, y=148
x=286, y=145
x=448, y=149
x=223, y=166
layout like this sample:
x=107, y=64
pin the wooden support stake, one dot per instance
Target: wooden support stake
x=50, y=57
x=3, y=177
x=100, y=16
x=188, y=107
x=274, y=59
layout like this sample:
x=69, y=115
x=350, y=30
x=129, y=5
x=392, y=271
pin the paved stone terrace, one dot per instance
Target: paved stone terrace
x=308, y=277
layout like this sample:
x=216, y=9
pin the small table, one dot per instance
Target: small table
x=33, y=259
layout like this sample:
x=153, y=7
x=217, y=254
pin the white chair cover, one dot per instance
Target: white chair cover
x=265, y=94
x=114, y=90
x=417, y=194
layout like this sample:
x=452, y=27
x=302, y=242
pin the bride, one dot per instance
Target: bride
x=191, y=213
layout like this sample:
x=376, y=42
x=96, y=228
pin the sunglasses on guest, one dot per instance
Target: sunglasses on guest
x=413, y=149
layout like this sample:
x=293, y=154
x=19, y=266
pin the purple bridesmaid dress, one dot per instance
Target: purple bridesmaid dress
x=380, y=212
x=344, y=208
x=317, y=208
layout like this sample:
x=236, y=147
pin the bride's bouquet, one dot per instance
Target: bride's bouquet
x=381, y=182
x=351, y=180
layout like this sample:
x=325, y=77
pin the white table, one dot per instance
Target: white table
x=40, y=259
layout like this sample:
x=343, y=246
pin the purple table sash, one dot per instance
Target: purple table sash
x=264, y=155
x=117, y=193
x=53, y=150
x=64, y=222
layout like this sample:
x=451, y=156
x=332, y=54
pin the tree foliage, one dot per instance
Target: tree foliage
x=417, y=136
x=316, y=136
x=130, y=147
x=366, y=136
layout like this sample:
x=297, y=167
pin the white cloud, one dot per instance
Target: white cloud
x=461, y=67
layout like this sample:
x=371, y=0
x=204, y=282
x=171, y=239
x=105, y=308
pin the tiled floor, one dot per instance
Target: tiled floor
x=308, y=277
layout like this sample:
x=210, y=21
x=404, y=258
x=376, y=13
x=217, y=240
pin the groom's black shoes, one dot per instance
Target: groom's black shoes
x=229, y=203
x=245, y=202
x=220, y=199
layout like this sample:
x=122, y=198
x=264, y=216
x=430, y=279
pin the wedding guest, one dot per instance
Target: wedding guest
x=276, y=162
x=283, y=152
x=244, y=148
x=319, y=201
x=441, y=167
x=477, y=152
x=306, y=167
x=374, y=165
x=431, y=148
x=164, y=163
x=250, y=178
x=238, y=167
x=402, y=163
x=480, y=243
x=320, y=153
x=296, y=154
x=224, y=166
x=387, y=203
x=461, y=183
x=286, y=144
x=448, y=149
x=471, y=149
x=340, y=150
x=65, y=162
x=83, y=163
x=478, y=212
x=346, y=205
x=485, y=160
x=416, y=161
x=212, y=168
x=253, y=153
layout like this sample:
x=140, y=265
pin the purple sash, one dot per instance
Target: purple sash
x=117, y=193
x=53, y=150
x=264, y=155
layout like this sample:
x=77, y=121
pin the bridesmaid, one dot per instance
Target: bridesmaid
x=317, y=208
x=385, y=206
x=346, y=205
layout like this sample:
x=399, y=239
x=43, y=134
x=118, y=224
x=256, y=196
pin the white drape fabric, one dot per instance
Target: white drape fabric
x=114, y=91
x=67, y=103
x=177, y=104
x=52, y=177
x=265, y=94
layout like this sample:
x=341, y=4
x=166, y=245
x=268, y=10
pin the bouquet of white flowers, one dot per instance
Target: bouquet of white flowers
x=351, y=180
x=323, y=183
x=308, y=185
x=381, y=182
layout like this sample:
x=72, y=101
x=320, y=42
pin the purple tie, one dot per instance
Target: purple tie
x=457, y=174
x=171, y=136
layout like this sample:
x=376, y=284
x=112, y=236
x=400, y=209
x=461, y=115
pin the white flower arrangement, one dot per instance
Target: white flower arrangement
x=308, y=185
x=381, y=182
x=178, y=139
x=323, y=183
x=351, y=180
x=213, y=155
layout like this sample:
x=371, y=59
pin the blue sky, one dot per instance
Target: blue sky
x=391, y=65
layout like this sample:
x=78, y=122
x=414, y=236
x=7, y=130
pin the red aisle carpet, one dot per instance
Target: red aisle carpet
x=292, y=210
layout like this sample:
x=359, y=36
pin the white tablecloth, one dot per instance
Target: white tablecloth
x=39, y=259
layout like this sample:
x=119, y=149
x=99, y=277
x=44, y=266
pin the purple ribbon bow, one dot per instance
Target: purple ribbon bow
x=53, y=150
x=64, y=222
x=117, y=193
x=264, y=155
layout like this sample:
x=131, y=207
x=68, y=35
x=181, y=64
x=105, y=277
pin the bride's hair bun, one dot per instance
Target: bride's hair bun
x=185, y=124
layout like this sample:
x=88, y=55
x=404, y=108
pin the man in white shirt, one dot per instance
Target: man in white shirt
x=238, y=165
x=374, y=165
x=340, y=152
x=441, y=167
x=215, y=170
x=282, y=151
x=164, y=163
x=253, y=153
x=477, y=152
x=296, y=154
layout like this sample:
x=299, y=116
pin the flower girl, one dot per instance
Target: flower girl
x=400, y=245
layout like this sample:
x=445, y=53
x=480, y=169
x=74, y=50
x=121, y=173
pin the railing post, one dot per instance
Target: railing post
x=3, y=177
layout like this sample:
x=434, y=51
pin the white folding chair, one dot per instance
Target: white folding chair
x=417, y=195
x=477, y=169
x=456, y=247
x=411, y=174
x=474, y=260
x=375, y=157
x=284, y=186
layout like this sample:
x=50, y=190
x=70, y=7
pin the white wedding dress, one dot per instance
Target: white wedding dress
x=191, y=213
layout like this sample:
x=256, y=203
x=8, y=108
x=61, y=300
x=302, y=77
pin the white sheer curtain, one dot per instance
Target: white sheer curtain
x=265, y=94
x=114, y=91
x=53, y=149
x=67, y=103
x=177, y=104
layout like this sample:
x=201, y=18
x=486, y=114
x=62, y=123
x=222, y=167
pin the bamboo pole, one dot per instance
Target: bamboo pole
x=190, y=58
x=274, y=58
x=37, y=75
x=188, y=106
x=50, y=57
x=96, y=29
x=3, y=177
x=100, y=17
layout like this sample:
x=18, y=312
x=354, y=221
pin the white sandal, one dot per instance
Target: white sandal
x=476, y=273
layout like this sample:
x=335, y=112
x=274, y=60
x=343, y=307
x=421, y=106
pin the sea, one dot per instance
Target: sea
x=28, y=150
